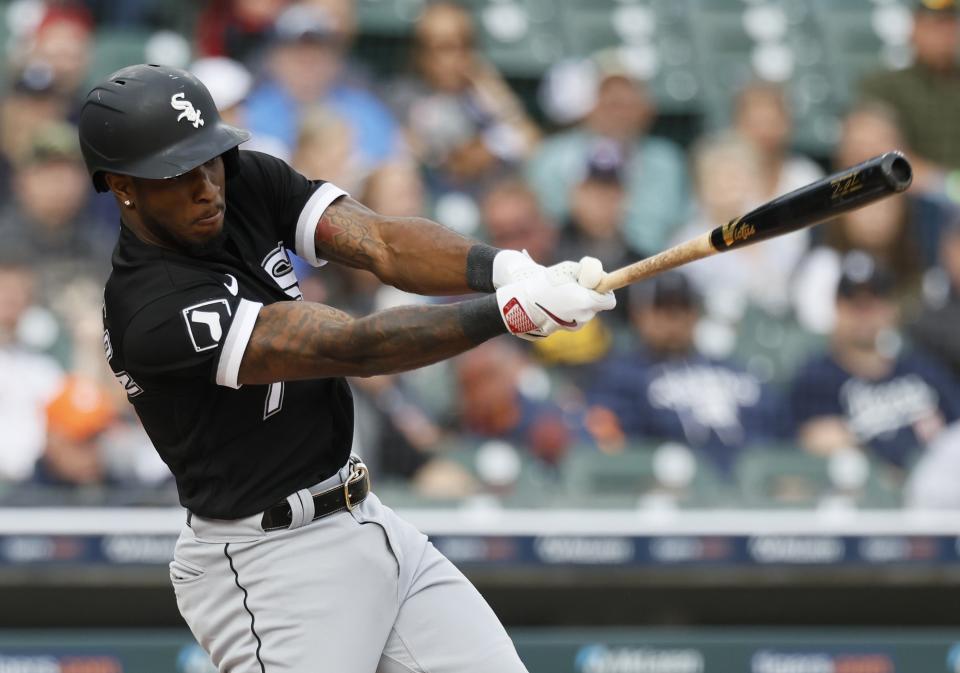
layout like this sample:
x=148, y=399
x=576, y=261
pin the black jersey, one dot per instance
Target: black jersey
x=175, y=330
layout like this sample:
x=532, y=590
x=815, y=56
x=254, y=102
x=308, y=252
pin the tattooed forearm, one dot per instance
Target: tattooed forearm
x=345, y=235
x=411, y=253
x=300, y=340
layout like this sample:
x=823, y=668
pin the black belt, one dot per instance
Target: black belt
x=340, y=498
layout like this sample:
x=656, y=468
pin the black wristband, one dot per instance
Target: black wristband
x=480, y=319
x=480, y=267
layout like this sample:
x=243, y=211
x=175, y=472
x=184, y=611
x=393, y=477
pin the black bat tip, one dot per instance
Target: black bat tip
x=898, y=170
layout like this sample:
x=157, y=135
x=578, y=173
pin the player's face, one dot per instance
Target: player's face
x=185, y=212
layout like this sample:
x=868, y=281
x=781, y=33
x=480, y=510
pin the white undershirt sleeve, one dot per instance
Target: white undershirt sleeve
x=309, y=217
x=231, y=353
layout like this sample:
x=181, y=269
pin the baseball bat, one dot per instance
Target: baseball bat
x=847, y=190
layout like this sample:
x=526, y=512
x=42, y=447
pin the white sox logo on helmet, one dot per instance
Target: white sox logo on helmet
x=192, y=114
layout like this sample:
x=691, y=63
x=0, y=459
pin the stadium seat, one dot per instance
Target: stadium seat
x=522, y=38
x=116, y=48
x=787, y=477
x=387, y=17
x=630, y=479
x=772, y=347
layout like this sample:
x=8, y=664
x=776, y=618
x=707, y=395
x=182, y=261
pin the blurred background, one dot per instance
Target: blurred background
x=751, y=465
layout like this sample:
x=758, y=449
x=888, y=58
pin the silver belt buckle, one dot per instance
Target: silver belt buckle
x=358, y=472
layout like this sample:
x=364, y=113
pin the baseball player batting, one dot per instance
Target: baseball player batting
x=287, y=561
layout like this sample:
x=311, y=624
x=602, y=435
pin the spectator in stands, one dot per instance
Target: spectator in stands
x=396, y=188
x=463, y=122
x=654, y=176
x=886, y=230
x=229, y=84
x=396, y=434
x=47, y=218
x=866, y=392
x=29, y=379
x=63, y=44
x=762, y=117
x=512, y=218
x=343, y=20
x=304, y=68
x=597, y=205
x=238, y=29
x=926, y=96
x=30, y=104
x=666, y=390
x=503, y=396
x=936, y=328
x=728, y=180
x=77, y=418
x=326, y=149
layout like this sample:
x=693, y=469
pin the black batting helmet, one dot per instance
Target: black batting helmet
x=152, y=121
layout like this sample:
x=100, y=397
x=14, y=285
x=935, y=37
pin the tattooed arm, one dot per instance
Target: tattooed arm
x=411, y=253
x=302, y=340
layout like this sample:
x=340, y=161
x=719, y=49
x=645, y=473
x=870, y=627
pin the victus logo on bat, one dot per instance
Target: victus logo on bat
x=606, y=659
x=737, y=230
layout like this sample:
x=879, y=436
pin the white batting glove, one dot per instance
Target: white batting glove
x=512, y=265
x=550, y=300
x=588, y=272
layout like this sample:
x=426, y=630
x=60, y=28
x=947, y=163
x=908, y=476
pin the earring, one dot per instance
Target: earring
x=127, y=203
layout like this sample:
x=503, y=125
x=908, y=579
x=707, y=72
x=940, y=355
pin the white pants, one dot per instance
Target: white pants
x=355, y=592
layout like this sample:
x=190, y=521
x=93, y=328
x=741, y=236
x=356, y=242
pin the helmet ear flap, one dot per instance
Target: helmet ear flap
x=231, y=162
x=99, y=182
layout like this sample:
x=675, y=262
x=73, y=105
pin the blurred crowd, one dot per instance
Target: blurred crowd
x=832, y=350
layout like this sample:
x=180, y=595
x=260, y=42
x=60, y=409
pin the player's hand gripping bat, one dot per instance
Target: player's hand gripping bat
x=835, y=194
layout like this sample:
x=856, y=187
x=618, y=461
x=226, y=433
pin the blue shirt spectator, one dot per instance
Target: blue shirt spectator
x=654, y=173
x=272, y=111
x=305, y=67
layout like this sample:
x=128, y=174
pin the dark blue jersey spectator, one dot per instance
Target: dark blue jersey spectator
x=709, y=405
x=865, y=392
x=892, y=415
x=667, y=391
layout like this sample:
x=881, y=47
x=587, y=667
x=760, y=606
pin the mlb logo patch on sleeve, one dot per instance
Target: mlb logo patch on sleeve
x=206, y=323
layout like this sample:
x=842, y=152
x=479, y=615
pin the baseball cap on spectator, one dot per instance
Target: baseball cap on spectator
x=605, y=162
x=73, y=13
x=305, y=23
x=56, y=141
x=862, y=274
x=671, y=289
x=621, y=62
x=228, y=81
x=35, y=79
x=81, y=410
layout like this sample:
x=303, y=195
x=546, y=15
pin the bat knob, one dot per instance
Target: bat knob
x=591, y=272
x=897, y=170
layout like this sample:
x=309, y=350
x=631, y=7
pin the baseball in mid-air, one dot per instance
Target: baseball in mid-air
x=591, y=272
